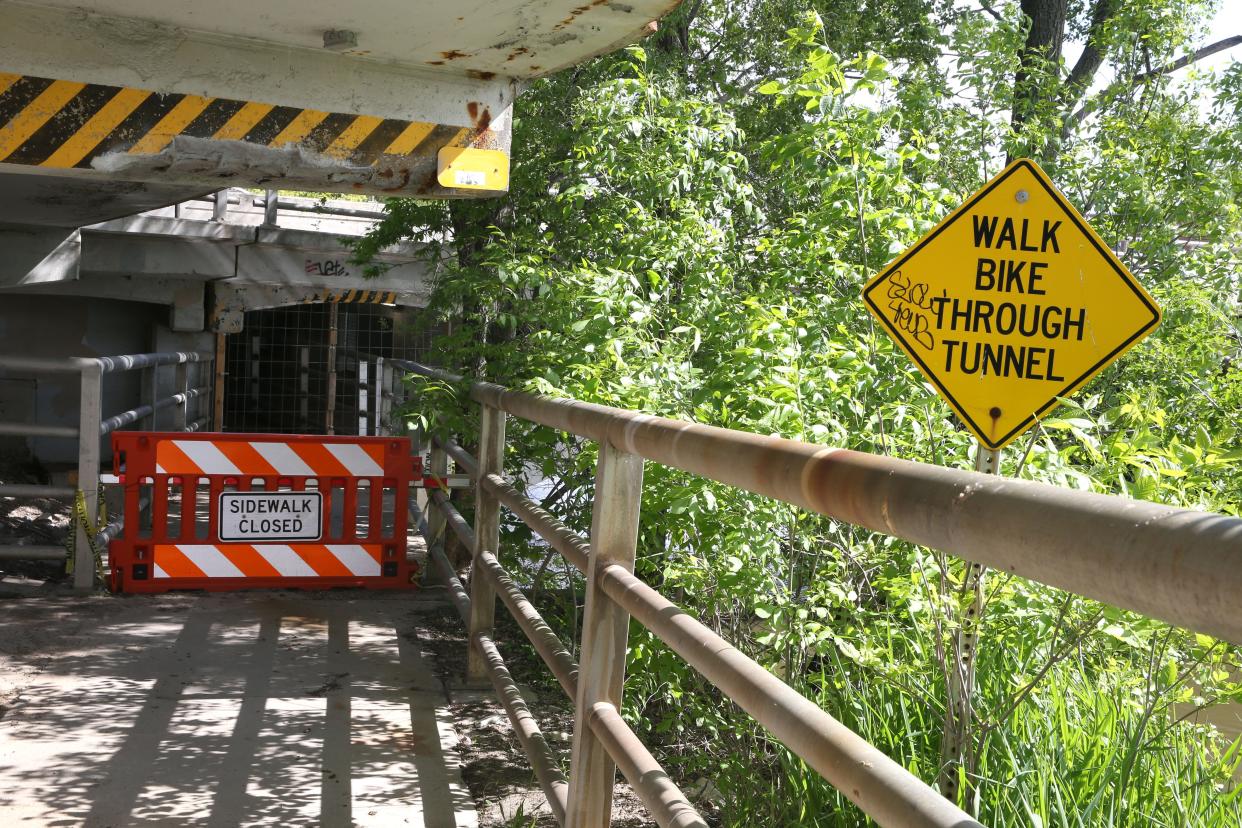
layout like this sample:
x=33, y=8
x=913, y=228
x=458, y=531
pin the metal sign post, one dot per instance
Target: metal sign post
x=1009, y=304
x=957, y=746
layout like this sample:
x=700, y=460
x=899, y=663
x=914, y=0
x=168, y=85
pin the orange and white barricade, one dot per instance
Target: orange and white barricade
x=239, y=511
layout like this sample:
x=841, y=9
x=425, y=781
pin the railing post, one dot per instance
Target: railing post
x=217, y=386
x=271, y=208
x=329, y=414
x=383, y=372
x=88, y=470
x=181, y=385
x=304, y=385
x=364, y=386
x=220, y=208
x=150, y=394
x=437, y=523
x=605, y=634
x=487, y=536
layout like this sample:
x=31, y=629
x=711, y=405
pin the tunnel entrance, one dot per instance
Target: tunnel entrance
x=318, y=368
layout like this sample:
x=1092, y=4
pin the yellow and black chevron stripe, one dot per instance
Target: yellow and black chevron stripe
x=354, y=297
x=65, y=124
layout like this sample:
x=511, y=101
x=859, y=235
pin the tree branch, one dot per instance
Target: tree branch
x=1193, y=57
x=1092, y=56
x=1182, y=62
x=985, y=6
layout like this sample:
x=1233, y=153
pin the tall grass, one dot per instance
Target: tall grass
x=1085, y=749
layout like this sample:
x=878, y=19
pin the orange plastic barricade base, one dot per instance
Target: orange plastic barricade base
x=253, y=511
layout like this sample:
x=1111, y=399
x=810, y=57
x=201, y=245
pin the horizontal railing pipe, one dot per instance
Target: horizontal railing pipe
x=37, y=430
x=1178, y=565
x=547, y=771
x=108, y=365
x=662, y=797
x=125, y=418
x=546, y=643
x=32, y=553
x=117, y=523
x=427, y=371
x=133, y=415
x=573, y=546
x=839, y=755
x=319, y=209
x=459, y=454
x=542, y=760
x=32, y=490
x=40, y=365
x=327, y=209
x=417, y=519
x=457, y=591
x=455, y=520
x=883, y=789
x=540, y=635
x=130, y=362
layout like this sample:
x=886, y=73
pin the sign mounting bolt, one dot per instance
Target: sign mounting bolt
x=340, y=40
x=1022, y=196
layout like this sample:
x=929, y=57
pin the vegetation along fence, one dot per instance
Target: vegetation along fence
x=1178, y=565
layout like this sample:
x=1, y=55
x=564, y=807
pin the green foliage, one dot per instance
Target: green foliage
x=689, y=241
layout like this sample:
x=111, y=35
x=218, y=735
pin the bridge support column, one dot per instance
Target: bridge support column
x=605, y=634
x=88, y=472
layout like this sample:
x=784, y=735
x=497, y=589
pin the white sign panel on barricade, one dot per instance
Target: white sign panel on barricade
x=271, y=516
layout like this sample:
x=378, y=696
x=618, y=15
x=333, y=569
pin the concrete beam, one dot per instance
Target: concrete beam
x=157, y=256
x=75, y=44
x=309, y=260
x=157, y=226
x=231, y=300
x=38, y=256
x=31, y=195
x=154, y=290
x=137, y=100
x=168, y=261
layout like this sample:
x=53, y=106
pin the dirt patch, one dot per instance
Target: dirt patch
x=33, y=632
x=494, y=766
x=35, y=521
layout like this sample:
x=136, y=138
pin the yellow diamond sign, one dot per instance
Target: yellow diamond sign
x=1011, y=302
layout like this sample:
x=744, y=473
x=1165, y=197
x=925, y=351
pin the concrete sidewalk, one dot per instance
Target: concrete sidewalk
x=259, y=708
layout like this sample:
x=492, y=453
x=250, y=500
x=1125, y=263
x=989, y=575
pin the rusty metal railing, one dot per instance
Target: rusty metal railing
x=92, y=426
x=1178, y=565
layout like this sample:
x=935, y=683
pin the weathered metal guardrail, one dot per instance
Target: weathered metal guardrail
x=92, y=427
x=1178, y=565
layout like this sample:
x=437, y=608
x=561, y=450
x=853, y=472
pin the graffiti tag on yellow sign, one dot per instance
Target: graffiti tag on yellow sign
x=1010, y=303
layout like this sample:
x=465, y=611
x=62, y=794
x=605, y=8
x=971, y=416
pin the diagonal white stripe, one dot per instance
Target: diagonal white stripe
x=287, y=562
x=356, y=559
x=159, y=573
x=211, y=560
x=280, y=457
x=355, y=459
x=207, y=457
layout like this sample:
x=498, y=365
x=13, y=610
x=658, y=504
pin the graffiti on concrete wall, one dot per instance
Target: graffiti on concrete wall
x=326, y=267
